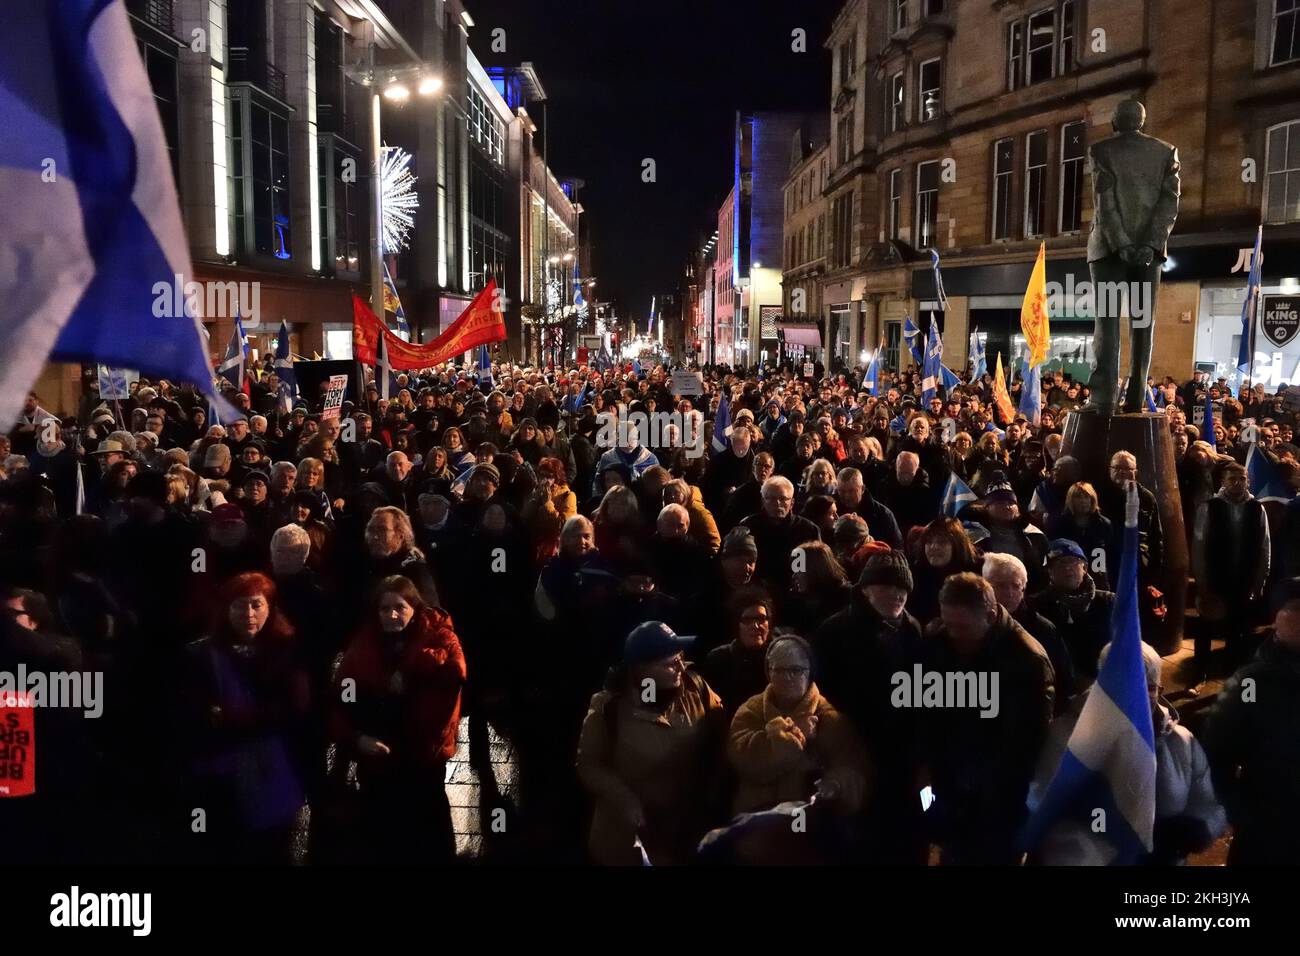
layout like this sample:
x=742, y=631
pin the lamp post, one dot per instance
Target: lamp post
x=393, y=84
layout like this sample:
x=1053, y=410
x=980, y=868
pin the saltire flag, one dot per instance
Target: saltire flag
x=1151, y=400
x=872, y=377
x=980, y=366
x=284, y=370
x=393, y=302
x=933, y=362
x=721, y=425
x=1266, y=484
x=1031, y=394
x=636, y=368
x=232, y=366
x=940, y=296
x=81, y=491
x=913, y=336
x=948, y=379
x=94, y=253
x=1034, y=319
x=956, y=495
x=1248, y=308
x=1207, y=423
x=898, y=424
x=1110, y=760
x=1001, y=397
x=485, y=367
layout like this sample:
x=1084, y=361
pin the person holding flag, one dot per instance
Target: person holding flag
x=1108, y=762
x=871, y=378
x=1207, y=423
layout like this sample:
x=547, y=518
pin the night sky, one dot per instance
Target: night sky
x=630, y=79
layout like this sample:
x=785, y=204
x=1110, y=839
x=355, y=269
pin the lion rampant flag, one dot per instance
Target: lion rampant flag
x=1001, y=397
x=1034, y=320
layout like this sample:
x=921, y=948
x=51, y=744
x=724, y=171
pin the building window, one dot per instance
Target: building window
x=929, y=96
x=1035, y=184
x=1043, y=45
x=933, y=8
x=896, y=112
x=898, y=15
x=1286, y=32
x=259, y=170
x=485, y=127
x=161, y=67
x=895, y=202
x=1004, y=158
x=848, y=60
x=841, y=230
x=927, y=203
x=1282, y=182
x=844, y=137
x=1074, y=149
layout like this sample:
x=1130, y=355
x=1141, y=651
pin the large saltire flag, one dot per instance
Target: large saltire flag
x=233, y=365
x=1249, y=309
x=480, y=324
x=93, y=254
x=1110, y=761
x=1001, y=397
x=393, y=302
x=1034, y=320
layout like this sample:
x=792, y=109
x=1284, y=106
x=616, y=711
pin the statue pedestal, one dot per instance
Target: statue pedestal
x=1092, y=437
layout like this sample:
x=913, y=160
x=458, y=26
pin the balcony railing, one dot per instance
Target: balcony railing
x=247, y=68
x=159, y=14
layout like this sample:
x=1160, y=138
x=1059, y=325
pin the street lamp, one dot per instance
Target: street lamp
x=397, y=90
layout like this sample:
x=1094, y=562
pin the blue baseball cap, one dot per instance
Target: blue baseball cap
x=653, y=641
x=1064, y=547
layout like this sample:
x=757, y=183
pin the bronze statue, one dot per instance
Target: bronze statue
x=1135, y=203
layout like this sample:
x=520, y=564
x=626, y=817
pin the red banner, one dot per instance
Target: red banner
x=479, y=324
x=17, y=745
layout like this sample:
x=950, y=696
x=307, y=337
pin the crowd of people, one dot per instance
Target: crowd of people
x=293, y=610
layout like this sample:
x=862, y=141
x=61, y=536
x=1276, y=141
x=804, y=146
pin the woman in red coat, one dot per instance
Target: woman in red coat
x=396, y=710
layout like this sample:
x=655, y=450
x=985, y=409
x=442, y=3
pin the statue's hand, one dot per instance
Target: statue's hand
x=1129, y=255
x=1145, y=255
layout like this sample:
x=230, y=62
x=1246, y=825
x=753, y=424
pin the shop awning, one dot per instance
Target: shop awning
x=807, y=334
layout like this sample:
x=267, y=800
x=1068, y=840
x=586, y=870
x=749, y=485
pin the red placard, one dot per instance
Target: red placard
x=17, y=745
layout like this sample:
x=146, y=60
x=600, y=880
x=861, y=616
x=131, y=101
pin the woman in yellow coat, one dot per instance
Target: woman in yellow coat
x=788, y=742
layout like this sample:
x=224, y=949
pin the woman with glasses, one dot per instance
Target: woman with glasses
x=736, y=670
x=788, y=743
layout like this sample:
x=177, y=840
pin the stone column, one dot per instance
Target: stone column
x=295, y=54
x=855, y=332
x=204, y=148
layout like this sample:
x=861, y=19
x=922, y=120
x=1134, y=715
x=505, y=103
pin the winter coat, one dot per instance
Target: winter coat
x=634, y=757
x=1188, y=814
x=775, y=763
x=776, y=538
x=1082, y=621
x=418, y=722
x=735, y=673
x=703, y=528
